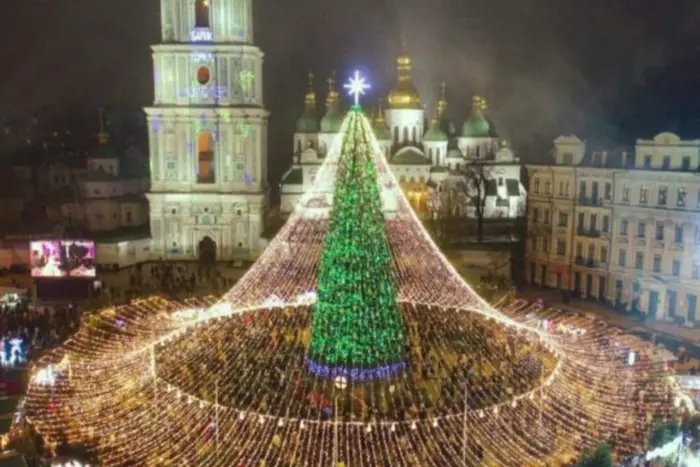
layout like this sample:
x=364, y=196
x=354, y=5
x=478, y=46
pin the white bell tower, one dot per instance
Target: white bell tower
x=207, y=133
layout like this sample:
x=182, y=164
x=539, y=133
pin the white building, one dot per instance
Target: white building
x=423, y=154
x=207, y=133
x=619, y=227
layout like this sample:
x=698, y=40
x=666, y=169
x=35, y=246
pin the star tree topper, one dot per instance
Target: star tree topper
x=357, y=87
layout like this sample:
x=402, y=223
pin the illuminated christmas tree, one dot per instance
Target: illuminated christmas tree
x=357, y=329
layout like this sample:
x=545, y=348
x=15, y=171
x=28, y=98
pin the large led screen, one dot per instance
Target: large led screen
x=63, y=258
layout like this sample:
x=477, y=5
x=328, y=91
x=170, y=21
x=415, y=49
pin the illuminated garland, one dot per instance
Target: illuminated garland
x=208, y=382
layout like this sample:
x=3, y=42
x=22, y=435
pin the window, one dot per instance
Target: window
x=566, y=189
x=500, y=181
x=606, y=224
x=545, y=220
x=535, y=215
x=201, y=13
x=581, y=220
x=696, y=271
x=643, y=195
x=537, y=185
x=603, y=254
x=682, y=195
x=622, y=258
x=647, y=161
x=623, y=227
x=678, y=238
x=641, y=229
x=657, y=264
x=660, y=231
x=666, y=162
x=594, y=221
x=663, y=195
x=579, y=249
x=533, y=244
x=591, y=252
x=625, y=194
x=561, y=188
x=205, y=166
x=685, y=163
x=639, y=260
x=608, y=191
x=545, y=244
x=561, y=247
x=563, y=219
x=568, y=158
x=582, y=190
x=697, y=236
x=676, y=268
x=547, y=187
x=128, y=217
x=698, y=203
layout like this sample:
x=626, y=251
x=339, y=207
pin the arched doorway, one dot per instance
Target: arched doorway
x=207, y=251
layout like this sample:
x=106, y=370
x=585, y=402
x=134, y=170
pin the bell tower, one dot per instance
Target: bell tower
x=207, y=132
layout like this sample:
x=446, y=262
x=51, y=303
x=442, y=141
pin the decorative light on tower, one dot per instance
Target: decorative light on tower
x=356, y=87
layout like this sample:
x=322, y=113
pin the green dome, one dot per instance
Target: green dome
x=381, y=131
x=333, y=120
x=477, y=126
x=106, y=151
x=410, y=156
x=454, y=153
x=307, y=123
x=435, y=133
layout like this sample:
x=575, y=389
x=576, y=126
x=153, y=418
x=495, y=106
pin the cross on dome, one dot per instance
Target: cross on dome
x=357, y=87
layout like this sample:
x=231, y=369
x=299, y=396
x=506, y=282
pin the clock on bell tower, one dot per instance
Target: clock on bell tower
x=207, y=131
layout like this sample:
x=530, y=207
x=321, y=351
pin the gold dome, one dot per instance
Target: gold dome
x=404, y=95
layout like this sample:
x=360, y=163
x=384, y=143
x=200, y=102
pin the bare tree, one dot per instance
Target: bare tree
x=474, y=188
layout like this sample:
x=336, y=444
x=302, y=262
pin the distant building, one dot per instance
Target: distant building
x=620, y=227
x=428, y=157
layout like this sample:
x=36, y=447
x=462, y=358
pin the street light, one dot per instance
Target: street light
x=341, y=382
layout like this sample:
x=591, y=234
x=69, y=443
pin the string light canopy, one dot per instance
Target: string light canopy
x=228, y=381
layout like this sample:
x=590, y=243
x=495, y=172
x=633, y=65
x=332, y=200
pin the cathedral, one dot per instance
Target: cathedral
x=429, y=158
x=207, y=133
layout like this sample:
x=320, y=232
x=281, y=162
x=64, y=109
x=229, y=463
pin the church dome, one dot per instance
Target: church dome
x=478, y=125
x=435, y=133
x=381, y=130
x=333, y=120
x=404, y=95
x=308, y=122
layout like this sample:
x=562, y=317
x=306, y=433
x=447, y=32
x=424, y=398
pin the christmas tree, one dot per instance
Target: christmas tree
x=356, y=327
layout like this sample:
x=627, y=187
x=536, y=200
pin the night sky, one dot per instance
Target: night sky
x=601, y=68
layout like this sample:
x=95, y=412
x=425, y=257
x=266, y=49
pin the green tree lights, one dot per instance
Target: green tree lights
x=356, y=326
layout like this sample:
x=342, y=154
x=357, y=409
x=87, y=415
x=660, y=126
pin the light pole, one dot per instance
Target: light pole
x=341, y=382
x=464, y=423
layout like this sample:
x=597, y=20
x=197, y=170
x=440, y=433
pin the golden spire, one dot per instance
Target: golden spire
x=102, y=136
x=310, y=99
x=436, y=118
x=332, y=98
x=479, y=103
x=379, y=119
x=442, y=102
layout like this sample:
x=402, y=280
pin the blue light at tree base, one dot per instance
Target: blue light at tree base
x=383, y=372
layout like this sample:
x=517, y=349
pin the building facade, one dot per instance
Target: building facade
x=427, y=156
x=207, y=134
x=620, y=227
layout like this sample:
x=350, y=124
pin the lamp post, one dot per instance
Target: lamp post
x=464, y=423
x=341, y=382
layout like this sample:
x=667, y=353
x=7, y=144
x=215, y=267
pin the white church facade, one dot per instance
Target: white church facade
x=207, y=133
x=429, y=158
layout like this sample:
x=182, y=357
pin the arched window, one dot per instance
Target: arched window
x=430, y=154
x=298, y=145
x=396, y=135
x=414, y=135
x=405, y=135
x=205, y=158
x=201, y=13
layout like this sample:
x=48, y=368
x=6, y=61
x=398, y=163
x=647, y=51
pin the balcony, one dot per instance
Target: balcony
x=586, y=262
x=590, y=201
x=584, y=232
